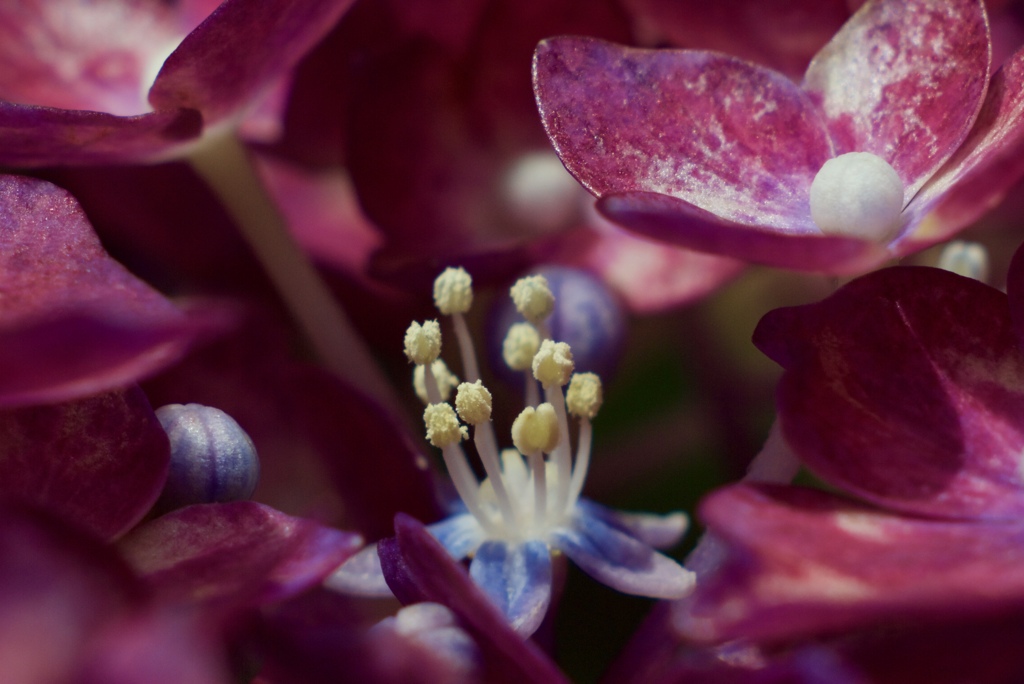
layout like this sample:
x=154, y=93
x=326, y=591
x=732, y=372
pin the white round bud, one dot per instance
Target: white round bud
x=553, y=364
x=443, y=427
x=858, y=195
x=584, y=396
x=446, y=380
x=423, y=342
x=536, y=429
x=453, y=291
x=473, y=402
x=520, y=346
x=533, y=298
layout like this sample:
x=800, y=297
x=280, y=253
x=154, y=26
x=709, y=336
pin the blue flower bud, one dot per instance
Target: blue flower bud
x=212, y=459
x=587, y=316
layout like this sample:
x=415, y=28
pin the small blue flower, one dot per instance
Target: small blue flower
x=529, y=505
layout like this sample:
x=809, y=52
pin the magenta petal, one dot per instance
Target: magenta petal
x=735, y=139
x=846, y=565
x=906, y=387
x=985, y=167
x=99, y=462
x=418, y=561
x=73, y=321
x=904, y=79
x=236, y=554
x=40, y=136
x=58, y=587
x=678, y=222
x=239, y=52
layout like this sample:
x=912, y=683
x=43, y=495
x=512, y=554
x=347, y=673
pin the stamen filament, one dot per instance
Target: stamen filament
x=579, y=473
x=561, y=455
x=470, y=368
x=466, y=484
x=540, y=488
x=430, y=383
x=532, y=390
x=487, y=448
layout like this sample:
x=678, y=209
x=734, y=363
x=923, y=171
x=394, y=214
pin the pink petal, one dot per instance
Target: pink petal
x=734, y=139
x=649, y=275
x=74, y=322
x=805, y=562
x=904, y=79
x=236, y=554
x=99, y=462
x=906, y=387
x=239, y=52
x=985, y=167
x=678, y=222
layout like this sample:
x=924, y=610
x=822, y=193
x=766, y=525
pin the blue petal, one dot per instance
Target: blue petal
x=517, y=577
x=659, y=531
x=622, y=562
x=360, y=575
x=459, y=534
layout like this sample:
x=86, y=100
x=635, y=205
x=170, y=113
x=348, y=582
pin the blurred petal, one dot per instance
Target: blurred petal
x=981, y=172
x=517, y=578
x=40, y=136
x=904, y=79
x=849, y=565
x=74, y=322
x=360, y=575
x=235, y=555
x=906, y=387
x=730, y=137
x=618, y=560
x=239, y=52
x=680, y=223
x=99, y=463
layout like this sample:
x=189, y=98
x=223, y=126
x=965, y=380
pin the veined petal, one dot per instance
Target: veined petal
x=517, y=577
x=904, y=79
x=906, y=387
x=732, y=138
x=460, y=534
x=848, y=565
x=616, y=559
x=657, y=531
x=681, y=223
x=977, y=177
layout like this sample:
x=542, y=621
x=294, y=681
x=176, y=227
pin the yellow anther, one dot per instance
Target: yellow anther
x=533, y=298
x=453, y=291
x=584, y=395
x=423, y=342
x=536, y=429
x=520, y=346
x=473, y=402
x=443, y=427
x=553, y=364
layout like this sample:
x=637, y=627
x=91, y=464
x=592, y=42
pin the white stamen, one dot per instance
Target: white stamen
x=453, y=291
x=534, y=300
x=520, y=346
x=857, y=194
x=584, y=399
x=553, y=364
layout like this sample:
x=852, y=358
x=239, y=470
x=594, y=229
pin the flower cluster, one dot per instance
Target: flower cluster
x=218, y=217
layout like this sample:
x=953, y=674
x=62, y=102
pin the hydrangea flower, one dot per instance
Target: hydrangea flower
x=529, y=506
x=903, y=389
x=895, y=140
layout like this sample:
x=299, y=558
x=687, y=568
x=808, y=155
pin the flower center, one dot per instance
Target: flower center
x=859, y=195
x=533, y=488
